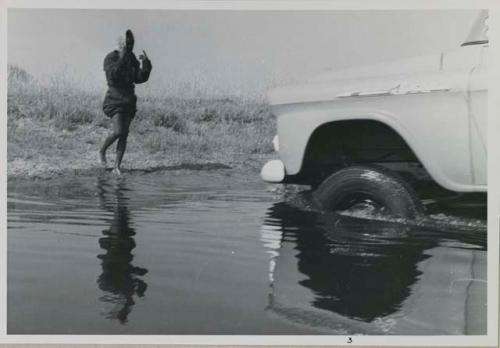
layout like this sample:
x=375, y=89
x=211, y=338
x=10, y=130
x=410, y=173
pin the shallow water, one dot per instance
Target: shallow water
x=220, y=252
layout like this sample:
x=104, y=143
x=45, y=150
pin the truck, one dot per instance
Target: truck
x=370, y=134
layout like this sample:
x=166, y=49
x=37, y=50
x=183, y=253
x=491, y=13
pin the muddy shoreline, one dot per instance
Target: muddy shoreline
x=59, y=167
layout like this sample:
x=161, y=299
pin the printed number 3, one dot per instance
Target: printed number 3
x=349, y=340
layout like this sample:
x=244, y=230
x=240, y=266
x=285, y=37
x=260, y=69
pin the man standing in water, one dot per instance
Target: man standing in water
x=123, y=71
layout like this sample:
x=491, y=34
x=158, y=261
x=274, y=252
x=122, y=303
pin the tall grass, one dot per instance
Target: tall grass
x=59, y=122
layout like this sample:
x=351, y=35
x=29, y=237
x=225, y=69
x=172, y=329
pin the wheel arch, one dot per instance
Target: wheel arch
x=325, y=136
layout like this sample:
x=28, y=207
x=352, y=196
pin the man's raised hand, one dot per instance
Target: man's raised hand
x=143, y=56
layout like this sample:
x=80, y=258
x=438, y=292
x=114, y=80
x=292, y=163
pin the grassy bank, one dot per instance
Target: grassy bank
x=55, y=128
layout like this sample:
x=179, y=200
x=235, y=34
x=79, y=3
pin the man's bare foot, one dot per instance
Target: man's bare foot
x=102, y=156
x=117, y=171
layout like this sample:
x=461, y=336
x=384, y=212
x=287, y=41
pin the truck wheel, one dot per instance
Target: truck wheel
x=359, y=185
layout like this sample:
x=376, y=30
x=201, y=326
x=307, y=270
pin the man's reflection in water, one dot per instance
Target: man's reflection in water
x=119, y=278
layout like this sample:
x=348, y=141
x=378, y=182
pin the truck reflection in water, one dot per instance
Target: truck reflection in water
x=120, y=280
x=351, y=268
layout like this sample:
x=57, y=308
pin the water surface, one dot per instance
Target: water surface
x=220, y=252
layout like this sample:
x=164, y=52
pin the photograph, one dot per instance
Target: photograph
x=247, y=172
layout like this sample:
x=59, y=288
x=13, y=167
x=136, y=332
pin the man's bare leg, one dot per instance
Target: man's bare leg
x=118, y=128
x=123, y=127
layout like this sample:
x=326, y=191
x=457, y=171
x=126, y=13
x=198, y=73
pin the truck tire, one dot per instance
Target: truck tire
x=381, y=187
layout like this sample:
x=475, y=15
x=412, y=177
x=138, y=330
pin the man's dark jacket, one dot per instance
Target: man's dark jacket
x=122, y=73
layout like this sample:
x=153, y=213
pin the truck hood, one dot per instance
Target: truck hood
x=403, y=76
x=400, y=66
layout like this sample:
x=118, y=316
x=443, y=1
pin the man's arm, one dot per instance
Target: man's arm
x=114, y=64
x=145, y=69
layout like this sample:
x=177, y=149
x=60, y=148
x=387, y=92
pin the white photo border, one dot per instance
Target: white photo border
x=491, y=339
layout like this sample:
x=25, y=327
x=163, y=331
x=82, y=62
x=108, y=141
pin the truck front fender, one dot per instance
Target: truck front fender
x=297, y=123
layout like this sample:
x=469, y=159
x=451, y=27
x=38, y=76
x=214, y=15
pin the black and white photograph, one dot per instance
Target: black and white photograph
x=228, y=171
